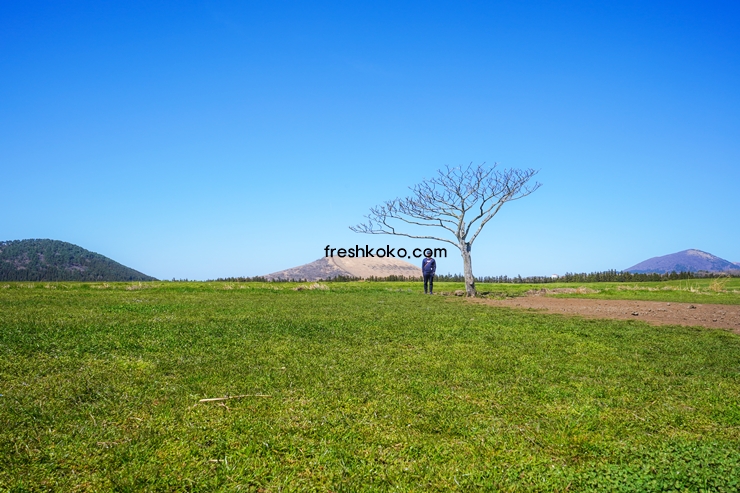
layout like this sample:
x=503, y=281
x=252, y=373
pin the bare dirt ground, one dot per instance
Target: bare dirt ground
x=654, y=312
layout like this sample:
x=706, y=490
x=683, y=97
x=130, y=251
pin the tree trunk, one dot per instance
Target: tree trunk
x=468, y=269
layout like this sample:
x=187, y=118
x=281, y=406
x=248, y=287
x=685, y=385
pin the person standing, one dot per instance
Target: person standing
x=428, y=268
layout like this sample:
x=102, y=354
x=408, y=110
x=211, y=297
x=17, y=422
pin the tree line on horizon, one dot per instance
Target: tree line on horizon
x=601, y=276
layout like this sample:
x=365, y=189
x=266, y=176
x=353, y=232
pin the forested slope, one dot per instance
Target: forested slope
x=52, y=260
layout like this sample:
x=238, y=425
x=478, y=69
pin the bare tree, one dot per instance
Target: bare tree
x=459, y=200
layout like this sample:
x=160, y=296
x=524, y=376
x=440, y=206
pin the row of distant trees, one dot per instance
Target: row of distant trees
x=603, y=276
x=54, y=274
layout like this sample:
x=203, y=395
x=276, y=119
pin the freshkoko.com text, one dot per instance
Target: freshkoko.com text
x=358, y=251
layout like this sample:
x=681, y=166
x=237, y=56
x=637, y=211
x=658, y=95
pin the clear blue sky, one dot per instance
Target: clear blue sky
x=210, y=139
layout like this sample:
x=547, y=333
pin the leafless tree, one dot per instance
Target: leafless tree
x=460, y=200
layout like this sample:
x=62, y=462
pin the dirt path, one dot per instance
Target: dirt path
x=654, y=312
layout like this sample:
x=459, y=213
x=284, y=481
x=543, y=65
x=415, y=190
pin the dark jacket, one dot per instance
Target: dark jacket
x=428, y=266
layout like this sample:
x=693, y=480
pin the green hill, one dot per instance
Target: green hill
x=52, y=260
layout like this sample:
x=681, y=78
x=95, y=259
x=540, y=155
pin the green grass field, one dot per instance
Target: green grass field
x=358, y=387
x=718, y=291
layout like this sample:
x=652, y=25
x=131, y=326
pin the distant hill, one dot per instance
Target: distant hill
x=685, y=261
x=330, y=267
x=52, y=260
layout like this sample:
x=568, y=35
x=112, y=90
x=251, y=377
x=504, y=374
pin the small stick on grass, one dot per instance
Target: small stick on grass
x=214, y=399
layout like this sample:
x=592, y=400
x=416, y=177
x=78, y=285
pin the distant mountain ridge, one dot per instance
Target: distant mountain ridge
x=327, y=268
x=685, y=261
x=53, y=260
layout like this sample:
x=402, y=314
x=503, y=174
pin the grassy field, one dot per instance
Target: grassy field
x=358, y=387
x=719, y=291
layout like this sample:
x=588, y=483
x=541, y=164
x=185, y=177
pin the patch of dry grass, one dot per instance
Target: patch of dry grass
x=311, y=287
x=718, y=284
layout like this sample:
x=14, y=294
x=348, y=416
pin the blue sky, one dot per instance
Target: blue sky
x=211, y=139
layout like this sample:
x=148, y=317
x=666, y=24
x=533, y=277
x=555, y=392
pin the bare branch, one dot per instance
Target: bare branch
x=372, y=230
x=503, y=187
